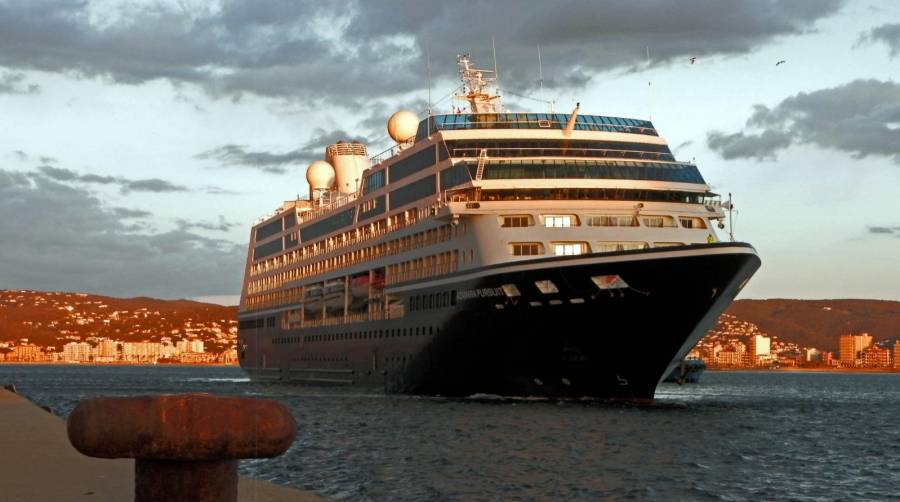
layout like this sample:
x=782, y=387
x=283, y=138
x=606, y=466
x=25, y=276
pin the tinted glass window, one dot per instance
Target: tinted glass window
x=456, y=175
x=588, y=169
x=371, y=208
x=412, y=192
x=412, y=164
x=268, y=230
x=373, y=182
x=267, y=249
x=327, y=225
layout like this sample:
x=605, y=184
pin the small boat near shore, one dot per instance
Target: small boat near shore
x=688, y=371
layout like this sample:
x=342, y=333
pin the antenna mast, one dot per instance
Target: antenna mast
x=496, y=73
x=541, y=74
x=428, y=76
x=478, y=87
x=730, y=218
x=649, y=88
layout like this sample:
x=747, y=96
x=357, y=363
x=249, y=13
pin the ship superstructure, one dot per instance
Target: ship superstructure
x=489, y=251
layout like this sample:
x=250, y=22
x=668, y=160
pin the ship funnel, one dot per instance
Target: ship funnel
x=349, y=161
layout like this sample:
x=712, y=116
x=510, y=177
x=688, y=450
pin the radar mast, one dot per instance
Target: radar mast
x=478, y=87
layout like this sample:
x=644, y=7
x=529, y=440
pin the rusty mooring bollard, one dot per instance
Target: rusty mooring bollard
x=185, y=446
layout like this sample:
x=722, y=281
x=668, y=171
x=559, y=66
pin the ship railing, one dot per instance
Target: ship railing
x=382, y=156
x=327, y=207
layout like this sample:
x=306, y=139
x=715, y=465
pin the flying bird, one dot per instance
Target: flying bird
x=780, y=62
x=693, y=59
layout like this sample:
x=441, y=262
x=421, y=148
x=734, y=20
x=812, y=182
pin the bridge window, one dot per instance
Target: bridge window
x=609, y=247
x=569, y=248
x=612, y=221
x=692, y=222
x=658, y=221
x=560, y=220
x=526, y=248
x=516, y=220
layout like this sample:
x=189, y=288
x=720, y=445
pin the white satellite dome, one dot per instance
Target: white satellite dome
x=320, y=175
x=402, y=126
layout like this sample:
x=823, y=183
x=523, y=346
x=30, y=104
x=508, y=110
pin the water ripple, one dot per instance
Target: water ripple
x=734, y=436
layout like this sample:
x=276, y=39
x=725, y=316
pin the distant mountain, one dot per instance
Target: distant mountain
x=51, y=319
x=819, y=323
x=54, y=318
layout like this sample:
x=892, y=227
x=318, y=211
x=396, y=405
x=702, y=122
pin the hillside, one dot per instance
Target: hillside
x=51, y=319
x=818, y=323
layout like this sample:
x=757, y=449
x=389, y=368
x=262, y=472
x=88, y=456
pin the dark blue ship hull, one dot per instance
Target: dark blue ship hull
x=579, y=341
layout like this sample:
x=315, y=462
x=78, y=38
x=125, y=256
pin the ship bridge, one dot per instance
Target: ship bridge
x=549, y=121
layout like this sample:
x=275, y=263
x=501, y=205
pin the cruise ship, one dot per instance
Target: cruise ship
x=491, y=252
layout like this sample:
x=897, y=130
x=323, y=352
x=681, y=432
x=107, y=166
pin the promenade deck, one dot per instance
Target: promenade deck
x=38, y=464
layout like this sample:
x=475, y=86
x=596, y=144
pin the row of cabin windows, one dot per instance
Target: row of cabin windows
x=375, y=334
x=274, y=281
x=577, y=248
x=571, y=220
x=351, y=237
x=258, y=323
x=432, y=301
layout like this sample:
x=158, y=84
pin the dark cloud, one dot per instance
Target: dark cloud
x=125, y=213
x=757, y=146
x=14, y=83
x=67, y=239
x=277, y=163
x=24, y=156
x=881, y=230
x=580, y=38
x=861, y=117
x=377, y=48
x=154, y=185
x=889, y=34
x=217, y=190
x=220, y=226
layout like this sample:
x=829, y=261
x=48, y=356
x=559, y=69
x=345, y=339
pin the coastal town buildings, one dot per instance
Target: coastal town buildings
x=81, y=328
x=76, y=352
x=851, y=347
x=876, y=357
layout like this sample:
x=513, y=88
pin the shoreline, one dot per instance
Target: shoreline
x=805, y=370
x=162, y=365
x=224, y=365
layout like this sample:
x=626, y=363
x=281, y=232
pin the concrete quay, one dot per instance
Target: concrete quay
x=37, y=463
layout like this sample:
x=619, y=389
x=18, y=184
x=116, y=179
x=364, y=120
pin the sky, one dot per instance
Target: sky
x=139, y=141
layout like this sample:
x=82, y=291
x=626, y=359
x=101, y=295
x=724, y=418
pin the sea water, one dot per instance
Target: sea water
x=733, y=436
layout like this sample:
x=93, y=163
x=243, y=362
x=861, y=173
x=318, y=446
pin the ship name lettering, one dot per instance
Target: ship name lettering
x=467, y=294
